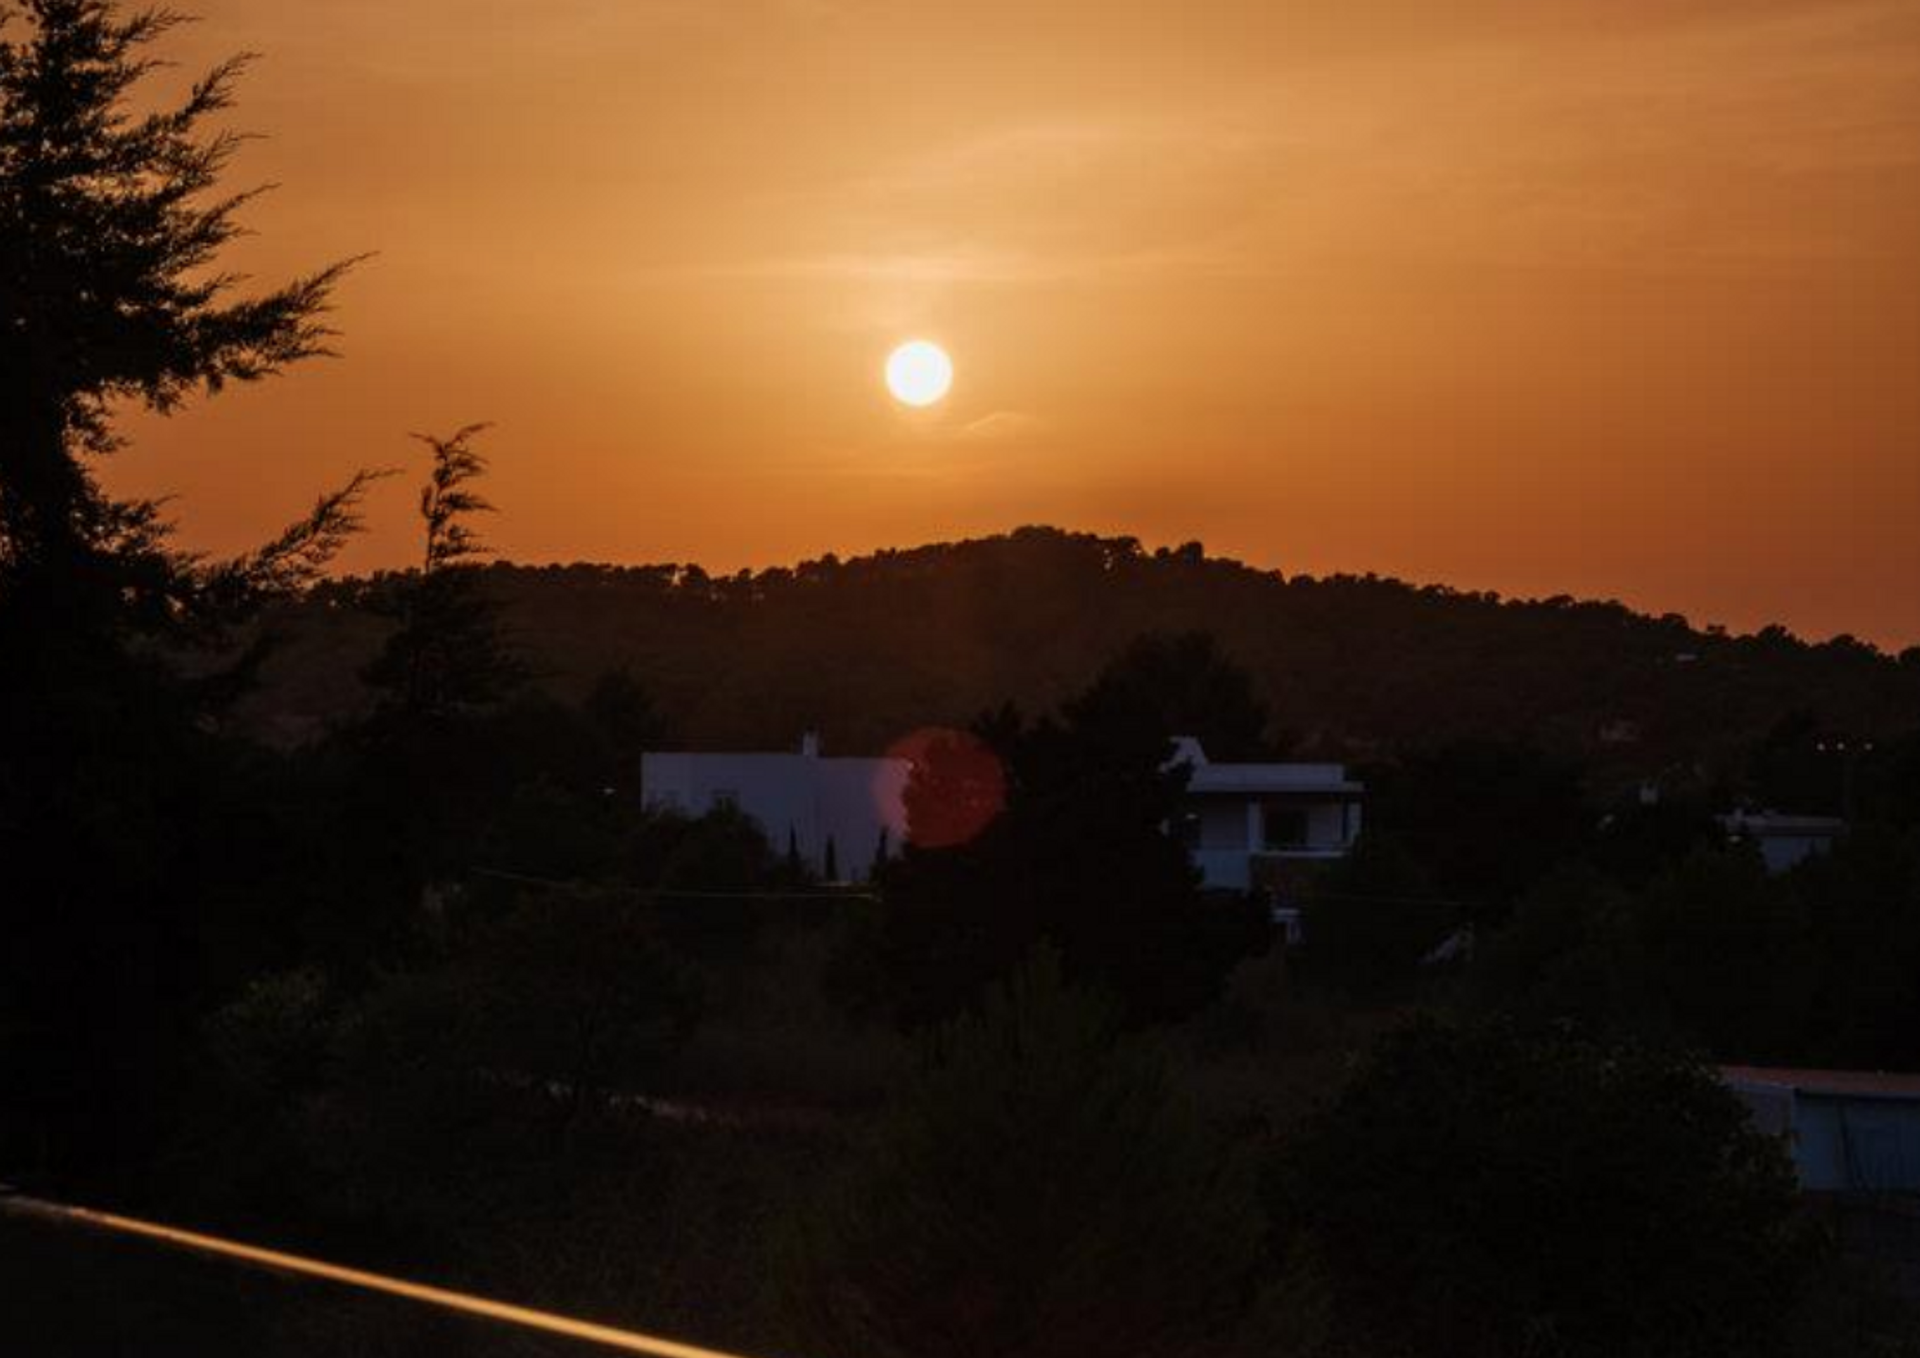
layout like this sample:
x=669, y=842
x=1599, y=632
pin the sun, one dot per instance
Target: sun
x=919, y=373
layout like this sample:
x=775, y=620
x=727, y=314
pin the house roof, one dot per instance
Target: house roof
x=1207, y=776
x=1765, y=824
x=1879, y=1084
x=1318, y=779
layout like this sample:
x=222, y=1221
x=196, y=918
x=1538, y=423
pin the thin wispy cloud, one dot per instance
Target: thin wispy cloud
x=1001, y=425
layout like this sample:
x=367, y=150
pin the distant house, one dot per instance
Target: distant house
x=1854, y=1139
x=1249, y=827
x=839, y=814
x=1848, y=1131
x=1253, y=826
x=1784, y=841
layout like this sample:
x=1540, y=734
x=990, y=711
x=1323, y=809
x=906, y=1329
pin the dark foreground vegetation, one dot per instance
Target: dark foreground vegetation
x=424, y=989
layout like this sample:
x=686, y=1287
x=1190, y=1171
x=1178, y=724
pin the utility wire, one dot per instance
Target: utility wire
x=526, y=1317
x=675, y=893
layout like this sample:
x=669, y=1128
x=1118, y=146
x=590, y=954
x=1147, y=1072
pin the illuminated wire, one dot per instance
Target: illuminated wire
x=607, y=1335
x=675, y=893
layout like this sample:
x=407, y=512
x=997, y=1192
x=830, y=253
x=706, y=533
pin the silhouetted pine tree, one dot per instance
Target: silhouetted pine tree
x=626, y=725
x=113, y=827
x=111, y=227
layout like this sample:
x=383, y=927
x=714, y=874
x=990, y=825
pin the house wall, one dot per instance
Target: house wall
x=1225, y=869
x=1223, y=823
x=775, y=789
x=1230, y=832
x=1782, y=853
x=1854, y=1145
x=795, y=798
x=859, y=799
x=806, y=800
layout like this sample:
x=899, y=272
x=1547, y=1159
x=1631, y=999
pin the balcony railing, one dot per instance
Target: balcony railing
x=1234, y=869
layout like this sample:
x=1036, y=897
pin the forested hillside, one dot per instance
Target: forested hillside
x=1351, y=666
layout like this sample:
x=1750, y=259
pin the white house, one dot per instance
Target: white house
x=1848, y=1131
x=1784, y=841
x=1249, y=826
x=1252, y=826
x=801, y=799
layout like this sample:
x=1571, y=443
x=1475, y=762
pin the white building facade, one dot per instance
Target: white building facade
x=1848, y=1131
x=1784, y=841
x=1251, y=827
x=802, y=800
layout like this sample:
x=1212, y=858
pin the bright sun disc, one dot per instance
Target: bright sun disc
x=919, y=373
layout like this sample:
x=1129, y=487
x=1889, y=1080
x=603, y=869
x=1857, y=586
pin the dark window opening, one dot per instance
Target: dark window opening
x=1286, y=827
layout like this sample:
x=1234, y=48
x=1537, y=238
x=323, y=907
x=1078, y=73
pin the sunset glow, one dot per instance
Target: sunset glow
x=774, y=670
x=1597, y=299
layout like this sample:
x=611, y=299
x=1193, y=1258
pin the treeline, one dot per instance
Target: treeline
x=1630, y=919
x=868, y=648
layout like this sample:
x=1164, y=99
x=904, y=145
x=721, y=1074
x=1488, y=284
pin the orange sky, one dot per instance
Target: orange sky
x=1604, y=297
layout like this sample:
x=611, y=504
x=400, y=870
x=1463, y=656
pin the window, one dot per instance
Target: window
x=1286, y=827
x=727, y=797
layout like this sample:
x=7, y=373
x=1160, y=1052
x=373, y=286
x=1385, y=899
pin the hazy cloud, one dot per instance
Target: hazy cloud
x=1001, y=424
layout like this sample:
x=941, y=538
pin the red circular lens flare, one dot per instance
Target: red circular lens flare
x=955, y=786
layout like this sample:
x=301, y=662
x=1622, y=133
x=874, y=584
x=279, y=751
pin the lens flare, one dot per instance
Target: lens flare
x=955, y=788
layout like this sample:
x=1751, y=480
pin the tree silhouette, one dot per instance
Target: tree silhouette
x=741, y=663
x=1079, y=860
x=114, y=845
x=447, y=653
x=1493, y=1190
x=626, y=725
x=1179, y=684
x=111, y=228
